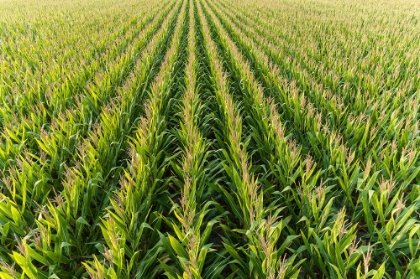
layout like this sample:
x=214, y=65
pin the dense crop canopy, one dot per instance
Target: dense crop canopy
x=209, y=139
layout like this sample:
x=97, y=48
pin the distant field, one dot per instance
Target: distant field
x=209, y=139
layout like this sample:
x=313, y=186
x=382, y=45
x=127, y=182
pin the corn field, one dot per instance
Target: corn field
x=209, y=139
